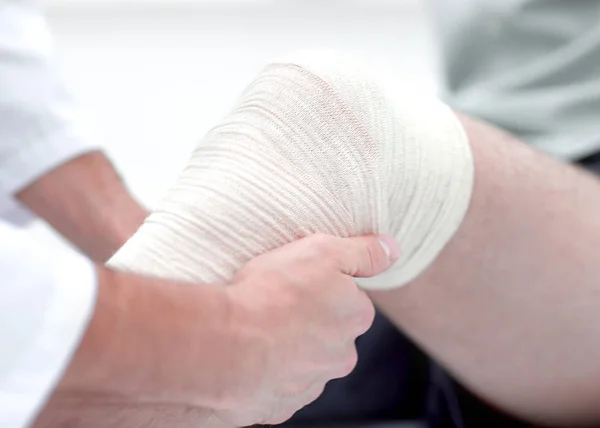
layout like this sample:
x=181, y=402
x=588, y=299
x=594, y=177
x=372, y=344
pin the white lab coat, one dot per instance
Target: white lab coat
x=46, y=299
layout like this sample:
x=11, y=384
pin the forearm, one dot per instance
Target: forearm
x=512, y=304
x=86, y=201
x=136, y=358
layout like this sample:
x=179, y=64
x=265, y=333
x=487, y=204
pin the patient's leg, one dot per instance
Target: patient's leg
x=512, y=304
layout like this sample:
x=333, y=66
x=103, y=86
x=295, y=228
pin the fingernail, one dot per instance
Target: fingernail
x=390, y=246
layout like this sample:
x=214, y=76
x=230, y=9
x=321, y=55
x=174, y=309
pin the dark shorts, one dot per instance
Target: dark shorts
x=395, y=381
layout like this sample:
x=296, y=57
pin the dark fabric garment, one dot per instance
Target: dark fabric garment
x=449, y=405
x=387, y=384
x=395, y=381
x=592, y=163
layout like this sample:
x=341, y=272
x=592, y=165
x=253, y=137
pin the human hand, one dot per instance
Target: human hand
x=255, y=351
x=300, y=312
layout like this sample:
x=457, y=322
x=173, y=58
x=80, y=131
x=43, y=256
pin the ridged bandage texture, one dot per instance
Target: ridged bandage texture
x=315, y=144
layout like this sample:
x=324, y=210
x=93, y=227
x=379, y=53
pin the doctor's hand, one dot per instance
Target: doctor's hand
x=301, y=313
x=162, y=353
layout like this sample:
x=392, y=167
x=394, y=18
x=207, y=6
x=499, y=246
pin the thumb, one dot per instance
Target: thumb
x=368, y=256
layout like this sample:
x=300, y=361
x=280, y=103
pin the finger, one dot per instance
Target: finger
x=352, y=306
x=365, y=314
x=313, y=393
x=283, y=416
x=347, y=364
x=367, y=256
x=344, y=306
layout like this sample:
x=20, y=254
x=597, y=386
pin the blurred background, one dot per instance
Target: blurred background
x=154, y=75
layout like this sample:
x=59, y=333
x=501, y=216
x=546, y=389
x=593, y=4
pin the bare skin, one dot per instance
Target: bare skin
x=86, y=201
x=511, y=306
x=159, y=353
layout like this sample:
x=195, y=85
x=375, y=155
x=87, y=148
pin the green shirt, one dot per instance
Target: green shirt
x=531, y=67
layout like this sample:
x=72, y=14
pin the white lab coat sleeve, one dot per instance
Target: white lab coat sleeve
x=40, y=125
x=46, y=302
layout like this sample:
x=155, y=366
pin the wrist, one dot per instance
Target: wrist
x=156, y=342
x=103, y=361
x=249, y=328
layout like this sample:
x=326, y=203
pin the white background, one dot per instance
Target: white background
x=154, y=75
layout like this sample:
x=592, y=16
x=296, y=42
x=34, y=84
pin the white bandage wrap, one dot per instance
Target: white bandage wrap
x=315, y=144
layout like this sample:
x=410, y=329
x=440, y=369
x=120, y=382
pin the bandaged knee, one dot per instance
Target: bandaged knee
x=316, y=144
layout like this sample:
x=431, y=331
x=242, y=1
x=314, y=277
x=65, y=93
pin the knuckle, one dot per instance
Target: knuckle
x=366, y=315
x=346, y=364
x=350, y=363
x=315, y=393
